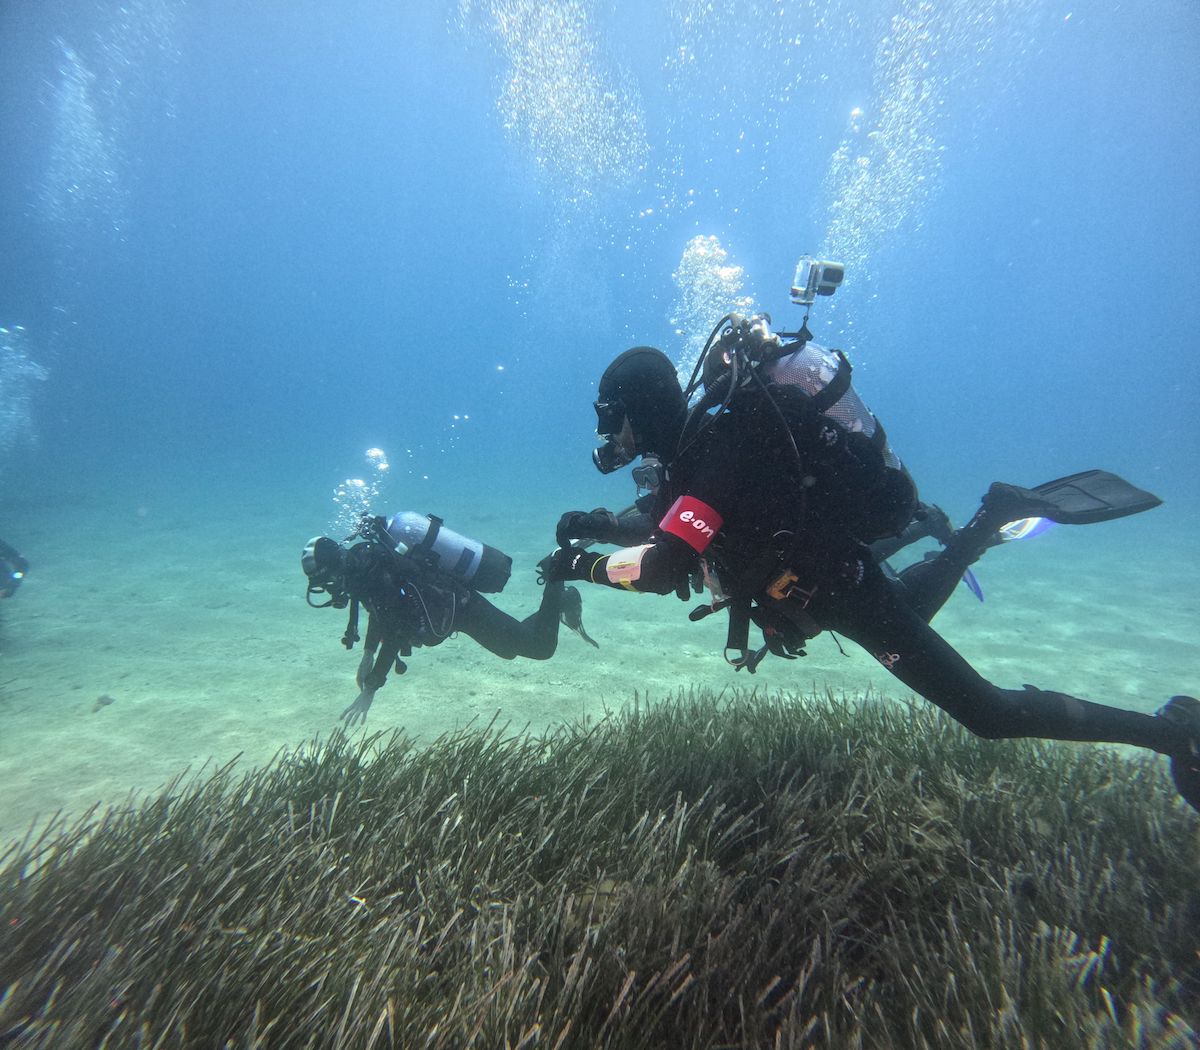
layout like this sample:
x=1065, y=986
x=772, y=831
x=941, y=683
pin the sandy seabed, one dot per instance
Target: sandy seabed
x=150, y=640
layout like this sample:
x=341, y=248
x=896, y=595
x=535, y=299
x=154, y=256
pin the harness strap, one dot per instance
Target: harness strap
x=702, y=611
x=737, y=638
x=879, y=437
x=351, y=635
x=738, y=635
x=835, y=390
x=431, y=534
x=823, y=400
x=422, y=555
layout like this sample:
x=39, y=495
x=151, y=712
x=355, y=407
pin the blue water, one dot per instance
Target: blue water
x=246, y=243
x=297, y=233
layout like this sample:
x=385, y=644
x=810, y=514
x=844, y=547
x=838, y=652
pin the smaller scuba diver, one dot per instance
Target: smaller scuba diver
x=420, y=583
x=12, y=570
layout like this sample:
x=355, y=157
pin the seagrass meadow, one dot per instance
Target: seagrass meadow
x=704, y=871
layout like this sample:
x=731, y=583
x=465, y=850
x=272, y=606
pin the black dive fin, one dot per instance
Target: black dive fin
x=572, y=614
x=1079, y=499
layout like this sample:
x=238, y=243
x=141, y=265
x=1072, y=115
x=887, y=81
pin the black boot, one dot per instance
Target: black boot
x=1004, y=503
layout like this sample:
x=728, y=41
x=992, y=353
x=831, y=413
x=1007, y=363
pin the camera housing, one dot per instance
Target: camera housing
x=815, y=277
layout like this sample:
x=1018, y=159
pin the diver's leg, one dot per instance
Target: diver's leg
x=535, y=637
x=877, y=616
x=928, y=584
x=929, y=520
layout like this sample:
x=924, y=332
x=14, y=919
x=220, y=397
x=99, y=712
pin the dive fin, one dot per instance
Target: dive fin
x=572, y=614
x=972, y=584
x=1078, y=499
x=1024, y=528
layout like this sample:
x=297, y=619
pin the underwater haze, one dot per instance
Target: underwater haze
x=245, y=244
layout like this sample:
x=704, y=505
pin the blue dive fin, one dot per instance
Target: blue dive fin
x=1024, y=528
x=972, y=584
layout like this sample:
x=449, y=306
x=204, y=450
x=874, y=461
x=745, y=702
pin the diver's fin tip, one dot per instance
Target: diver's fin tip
x=1078, y=499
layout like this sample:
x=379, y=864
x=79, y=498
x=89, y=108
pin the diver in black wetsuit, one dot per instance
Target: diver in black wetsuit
x=777, y=489
x=12, y=570
x=927, y=583
x=418, y=593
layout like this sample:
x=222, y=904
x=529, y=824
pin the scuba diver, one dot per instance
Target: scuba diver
x=420, y=583
x=776, y=483
x=12, y=570
x=928, y=583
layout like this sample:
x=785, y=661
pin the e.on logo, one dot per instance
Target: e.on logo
x=692, y=521
x=699, y=524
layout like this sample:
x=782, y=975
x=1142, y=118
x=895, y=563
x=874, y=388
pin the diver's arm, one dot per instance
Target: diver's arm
x=380, y=652
x=656, y=567
x=584, y=528
x=632, y=527
x=357, y=711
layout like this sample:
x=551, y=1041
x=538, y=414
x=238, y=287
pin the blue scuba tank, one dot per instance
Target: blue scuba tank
x=480, y=567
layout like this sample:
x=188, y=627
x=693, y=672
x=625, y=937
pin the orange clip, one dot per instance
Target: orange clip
x=782, y=587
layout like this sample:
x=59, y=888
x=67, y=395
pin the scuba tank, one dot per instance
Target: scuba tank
x=750, y=351
x=863, y=476
x=480, y=567
x=822, y=374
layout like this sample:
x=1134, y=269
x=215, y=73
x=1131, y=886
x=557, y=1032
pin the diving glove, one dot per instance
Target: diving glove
x=568, y=563
x=598, y=524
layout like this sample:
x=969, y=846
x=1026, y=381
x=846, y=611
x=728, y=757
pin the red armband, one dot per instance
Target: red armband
x=693, y=521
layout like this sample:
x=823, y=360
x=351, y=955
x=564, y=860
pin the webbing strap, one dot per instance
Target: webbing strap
x=431, y=534
x=879, y=437
x=351, y=635
x=823, y=400
x=737, y=639
x=738, y=635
